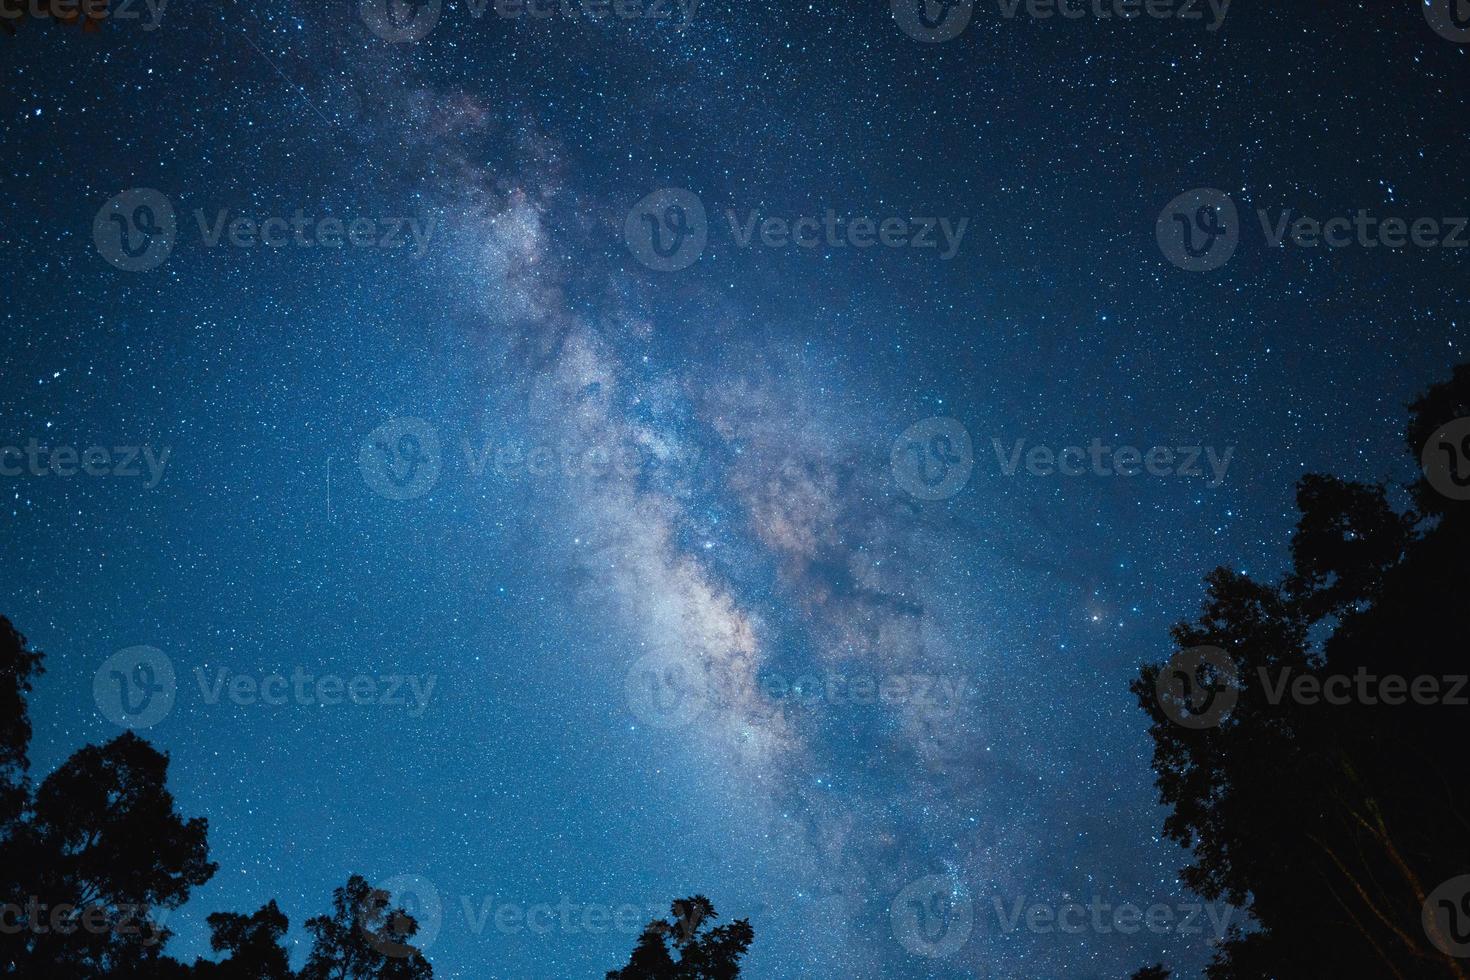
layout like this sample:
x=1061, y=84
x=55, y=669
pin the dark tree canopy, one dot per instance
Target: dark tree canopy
x=687, y=946
x=90, y=859
x=19, y=665
x=363, y=939
x=1332, y=823
x=251, y=945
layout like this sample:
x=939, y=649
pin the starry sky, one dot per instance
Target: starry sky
x=390, y=460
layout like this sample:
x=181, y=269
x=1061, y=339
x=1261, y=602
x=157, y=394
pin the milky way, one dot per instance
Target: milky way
x=695, y=622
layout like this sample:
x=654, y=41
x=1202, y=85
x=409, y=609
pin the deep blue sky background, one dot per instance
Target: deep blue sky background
x=527, y=779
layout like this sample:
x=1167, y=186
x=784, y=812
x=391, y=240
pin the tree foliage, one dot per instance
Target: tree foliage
x=687, y=946
x=1332, y=821
x=91, y=860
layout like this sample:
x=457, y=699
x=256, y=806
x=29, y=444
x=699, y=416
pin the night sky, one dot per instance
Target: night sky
x=612, y=503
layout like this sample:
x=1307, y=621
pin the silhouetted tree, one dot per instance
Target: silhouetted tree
x=703, y=951
x=1155, y=972
x=19, y=665
x=102, y=850
x=253, y=945
x=1332, y=823
x=364, y=938
x=95, y=854
x=90, y=861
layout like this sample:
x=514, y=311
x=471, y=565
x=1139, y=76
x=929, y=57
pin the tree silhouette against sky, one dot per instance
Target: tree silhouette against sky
x=688, y=946
x=1333, y=823
x=99, y=850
